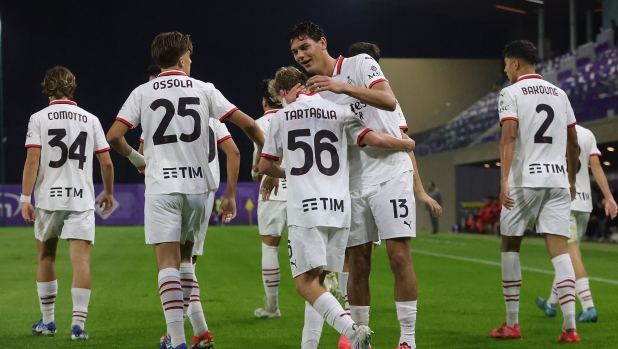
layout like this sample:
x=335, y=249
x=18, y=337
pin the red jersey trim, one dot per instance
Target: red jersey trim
x=124, y=121
x=375, y=82
x=62, y=101
x=404, y=128
x=306, y=94
x=268, y=156
x=33, y=146
x=272, y=111
x=529, y=76
x=224, y=138
x=361, y=135
x=572, y=125
x=172, y=72
x=595, y=154
x=227, y=115
x=101, y=150
x=338, y=66
x=508, y=118
x=141, y=140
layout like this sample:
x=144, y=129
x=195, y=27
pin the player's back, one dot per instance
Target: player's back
x=68, y=137
x=174, y=110
x=588, y=147
x=544, y=113
x=264, y=124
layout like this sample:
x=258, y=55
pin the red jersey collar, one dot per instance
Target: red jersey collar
x=62, y=101
x=306, y=94
x=272, y=111
x=529, y=76
x=172, y=72
x=338, y=66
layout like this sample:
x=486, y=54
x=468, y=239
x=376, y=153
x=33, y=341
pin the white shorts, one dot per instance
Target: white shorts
x=174, y=217
x=578, y=225
x=77, y=225
x=272, y=217
x=546, y=208
x=198, y=246
x=311, y=248
x=383, y=211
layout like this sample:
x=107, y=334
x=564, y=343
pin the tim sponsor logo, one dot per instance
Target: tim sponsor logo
x=68, y=192
x=546, y=168
x=182, y=172
x=327, y=204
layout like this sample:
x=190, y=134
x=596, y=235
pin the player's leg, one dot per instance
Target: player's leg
x=343, y=281
x=271, y=222
x=314, y=322
x=582, y=284
x=46, y=232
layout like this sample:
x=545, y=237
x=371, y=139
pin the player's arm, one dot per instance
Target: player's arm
x=233, y=167
x=384, y=141
x=269, y=167
x=31, y=168
x=379, y=95
x=107, y=174
x=572, y=158
x=436, y=209
x=508, y=141
x=115, y=137
x=251, y=128
x=597, y=171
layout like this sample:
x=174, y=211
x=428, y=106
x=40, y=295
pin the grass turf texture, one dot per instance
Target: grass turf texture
x=460, y=301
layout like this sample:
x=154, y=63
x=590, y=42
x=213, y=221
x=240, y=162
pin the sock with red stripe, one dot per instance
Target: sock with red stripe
x=565, y=285
x=47, y=299
x=271, y=276
x=329, y=307
x=81, y=298
x=191, y=298
x=406, y=313
x=511, y=285
x=553, y=296
x=582, y=287
x=343, y=287
x=312, y=330
x=360, y=314
x=170, y=292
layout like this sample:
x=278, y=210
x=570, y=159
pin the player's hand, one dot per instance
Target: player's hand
x=611, y=209
x=256, y=175
x=141, y=169
x=319, y=83
x=411, y=144
x=505, y=196
x=435, y=207
x=573, y=191
x=267, y=187
x=227, y=209
x=27, y=212
x=290, y=96
x=106, y=203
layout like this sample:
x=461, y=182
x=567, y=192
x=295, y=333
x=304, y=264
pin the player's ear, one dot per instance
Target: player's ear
x=323, y=43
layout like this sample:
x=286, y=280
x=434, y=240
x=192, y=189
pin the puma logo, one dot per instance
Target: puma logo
x=293, y=263
x=409, y=224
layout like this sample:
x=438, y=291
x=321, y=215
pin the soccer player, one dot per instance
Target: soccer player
x=537, y=130
x=174, y=110
x=219, y=137
x=382, y=201
x=272, y=216
x=313, y=135
x=580, y=213
x=60, y=141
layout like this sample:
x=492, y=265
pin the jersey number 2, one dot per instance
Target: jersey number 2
x=159, y=137
x=538, y=136
x=293, y=144
x=68, y=153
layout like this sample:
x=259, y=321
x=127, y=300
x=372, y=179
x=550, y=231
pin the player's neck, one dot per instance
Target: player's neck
x=525, y=71
x=51, y=99
x=174, y=68
x=329, y=66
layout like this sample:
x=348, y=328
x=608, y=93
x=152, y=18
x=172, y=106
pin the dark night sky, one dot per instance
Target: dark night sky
x=236, y=45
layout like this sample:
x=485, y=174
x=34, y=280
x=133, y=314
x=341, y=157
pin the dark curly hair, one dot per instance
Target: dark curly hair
x=305, y=30
x=521, y=49
x=365, y=47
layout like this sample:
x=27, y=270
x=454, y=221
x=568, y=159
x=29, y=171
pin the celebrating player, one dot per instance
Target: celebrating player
x=382, y=201
x=272, y=216
x=318, y=213
x=174, y=110
x=580, y=213
x=537, y=129
x=61, y=139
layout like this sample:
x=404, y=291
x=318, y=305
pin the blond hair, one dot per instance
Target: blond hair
x=288, y=77
x=59, y=83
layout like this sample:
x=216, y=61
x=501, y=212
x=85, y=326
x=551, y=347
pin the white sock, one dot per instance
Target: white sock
x=81, y=298
x=360, y=314
x=553, y=296
x=582, y=287
x=193, y=306
x=511, y=284
x=406, y=314
x=343, y=287
x=565, y=285
x=170, y=292
x=332, y=312
x=271, y=276
x=312, y=331
x=47, y=299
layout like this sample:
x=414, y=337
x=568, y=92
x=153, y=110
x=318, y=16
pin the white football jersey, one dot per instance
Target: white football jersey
x=68, y=137
x=174, y=110
x=544, y=113
x=282, y=193
x=217, y=133
x=369, y=166
x=587, y=149
x=312, y=135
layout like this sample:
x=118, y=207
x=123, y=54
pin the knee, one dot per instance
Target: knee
x=360, y=266
x=399, y=260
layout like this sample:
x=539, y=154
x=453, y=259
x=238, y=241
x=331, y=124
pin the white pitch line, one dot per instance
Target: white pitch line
x=482, y=261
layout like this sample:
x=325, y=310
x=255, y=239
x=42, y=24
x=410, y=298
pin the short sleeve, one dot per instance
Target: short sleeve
x=141, y=138
x=273, y=146
x=221, y=131
x=130, y=114
x=507, y=107
x=594, y=149
x=354, y=128
x=370, y=70
x=403, y=125
x=220, y=107
x=571, y=122
x=100, y=143
x=33, y=135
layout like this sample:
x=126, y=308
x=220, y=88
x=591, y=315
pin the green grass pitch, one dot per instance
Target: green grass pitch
x=460, y=300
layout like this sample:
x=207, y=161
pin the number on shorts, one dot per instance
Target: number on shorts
x=290, y=248
x=402, y=204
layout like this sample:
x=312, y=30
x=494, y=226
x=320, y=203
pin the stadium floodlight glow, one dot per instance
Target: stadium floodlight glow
x=606, y=163
x=498, y=164
x=610, y=148
x=511, y=9
x=540, y=2
x=486, y=166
